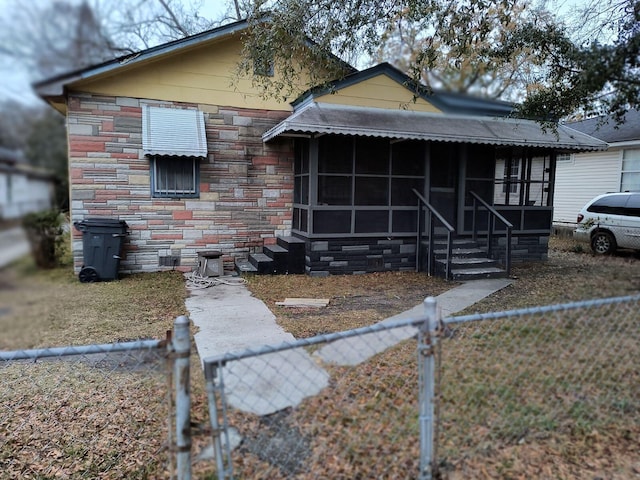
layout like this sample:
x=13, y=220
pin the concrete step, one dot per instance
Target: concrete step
x=296, y=249
x=244, y=266
x=477, y=273
x=280, y=257
x=441, y=244
x=469, y=262
x=263, y=264
x=460, y=252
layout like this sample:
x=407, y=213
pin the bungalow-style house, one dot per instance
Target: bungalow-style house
x=369, y=173
x=583, y=175
x=23, y=189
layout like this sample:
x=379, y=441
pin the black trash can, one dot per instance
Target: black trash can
x=102, y=241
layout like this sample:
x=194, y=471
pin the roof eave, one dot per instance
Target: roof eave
x=295, y=126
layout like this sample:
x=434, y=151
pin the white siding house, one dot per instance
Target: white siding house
x=22, y=189
x=582, y=176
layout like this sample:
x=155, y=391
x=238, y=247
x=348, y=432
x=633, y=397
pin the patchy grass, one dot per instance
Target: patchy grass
x=51, y=307
x=75, y=418
x=365, y=422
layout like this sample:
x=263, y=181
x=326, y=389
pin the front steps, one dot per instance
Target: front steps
x=286, y=257
x=469, y=261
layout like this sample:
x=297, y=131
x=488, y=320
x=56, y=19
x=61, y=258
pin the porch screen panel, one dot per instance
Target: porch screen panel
x=300, y=221
x=402, y=191
x=335, y=154
x=404, y=221
x=480, y=170
x=522, y=178
x=301, y=190
x=332, y=221
x=372, y=156
x=301, y=172
x=408, y=158
x=372, y=191
x=334, y=190
x=365, y=186
x=372, y=221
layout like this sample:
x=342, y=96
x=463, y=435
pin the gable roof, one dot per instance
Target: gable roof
x=605, y=127
x=318, y=118
x=447, y=102
x=54, y=86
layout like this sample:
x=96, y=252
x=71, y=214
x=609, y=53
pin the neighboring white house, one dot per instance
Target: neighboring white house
x=582, y=176
x=22, y=189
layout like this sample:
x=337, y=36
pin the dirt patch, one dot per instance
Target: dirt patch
x=355, y=300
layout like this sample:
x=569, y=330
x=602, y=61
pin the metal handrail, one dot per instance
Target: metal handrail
x=492, y=216
x=450, y=230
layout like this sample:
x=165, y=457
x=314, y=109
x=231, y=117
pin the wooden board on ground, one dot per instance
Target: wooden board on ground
x=304, y=302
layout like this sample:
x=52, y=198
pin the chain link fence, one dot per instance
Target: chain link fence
x=535, y=393
x=335, y=406
x=542, y=392
x=549, y=392
x=95, y=411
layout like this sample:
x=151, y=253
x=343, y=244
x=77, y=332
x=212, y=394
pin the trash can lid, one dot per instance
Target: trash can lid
x=101, y=222
x=210, y=254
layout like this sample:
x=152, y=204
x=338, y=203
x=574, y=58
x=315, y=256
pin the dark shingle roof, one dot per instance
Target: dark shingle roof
x=605, y=127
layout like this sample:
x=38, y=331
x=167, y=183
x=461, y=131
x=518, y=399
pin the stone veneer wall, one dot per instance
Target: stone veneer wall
x=525, y=247
x=246, y=187
x=363, y=255
x=334, y=256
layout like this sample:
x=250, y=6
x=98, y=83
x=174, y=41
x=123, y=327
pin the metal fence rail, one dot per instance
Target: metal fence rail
x=94, y=411
x=517, y=393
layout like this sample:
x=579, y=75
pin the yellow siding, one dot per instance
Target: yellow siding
x=203, y=75
x=379, y=92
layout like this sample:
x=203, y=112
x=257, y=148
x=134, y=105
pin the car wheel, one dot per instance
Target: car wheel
x=603, y=243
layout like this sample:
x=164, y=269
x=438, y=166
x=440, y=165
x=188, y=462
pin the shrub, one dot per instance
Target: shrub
x=44, y=231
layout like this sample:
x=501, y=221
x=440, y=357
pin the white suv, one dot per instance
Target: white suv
x=610, y=221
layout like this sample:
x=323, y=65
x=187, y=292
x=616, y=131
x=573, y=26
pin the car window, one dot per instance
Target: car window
x=613, y=204
x=633, y=206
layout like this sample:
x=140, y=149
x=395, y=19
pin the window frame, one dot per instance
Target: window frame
x=194, y=192
x=624, y=170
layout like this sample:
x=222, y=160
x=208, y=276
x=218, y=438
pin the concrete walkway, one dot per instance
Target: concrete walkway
x=230, y=319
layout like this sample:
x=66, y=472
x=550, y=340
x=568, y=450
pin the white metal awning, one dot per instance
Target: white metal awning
x=322, y=118
x=173, y=132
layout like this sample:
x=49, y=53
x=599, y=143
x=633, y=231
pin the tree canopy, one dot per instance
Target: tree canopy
x=510, y=49
x=590, y=76
x=459, y=44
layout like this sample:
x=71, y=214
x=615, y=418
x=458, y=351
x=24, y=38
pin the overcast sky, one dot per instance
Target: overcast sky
x=15, y=81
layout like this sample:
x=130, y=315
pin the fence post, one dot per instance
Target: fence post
x=181, y=379
x=211, y=378
x=427, y=341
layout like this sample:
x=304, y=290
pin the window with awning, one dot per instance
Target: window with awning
x=174, y=140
